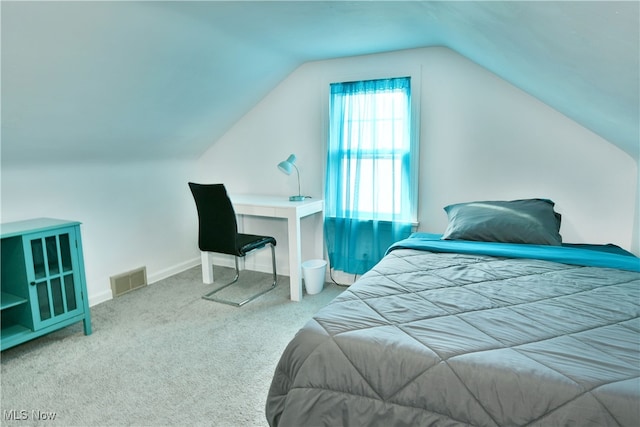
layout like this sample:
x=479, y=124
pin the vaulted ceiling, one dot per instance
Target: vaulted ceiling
x=158, y=79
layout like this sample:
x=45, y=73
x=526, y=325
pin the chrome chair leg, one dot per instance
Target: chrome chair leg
x=210, y=297
x=235, y=279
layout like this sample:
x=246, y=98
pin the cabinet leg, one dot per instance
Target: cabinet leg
x=87, y=326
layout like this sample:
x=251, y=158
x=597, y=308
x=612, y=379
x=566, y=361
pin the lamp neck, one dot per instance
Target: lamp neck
x=297, y=173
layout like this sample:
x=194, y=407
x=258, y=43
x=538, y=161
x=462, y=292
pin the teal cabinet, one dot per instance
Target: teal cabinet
x=43, y=279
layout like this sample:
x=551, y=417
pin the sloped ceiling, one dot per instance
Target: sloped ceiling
x=143, y=80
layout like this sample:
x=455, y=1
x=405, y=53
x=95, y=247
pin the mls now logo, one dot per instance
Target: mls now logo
x=23, y=415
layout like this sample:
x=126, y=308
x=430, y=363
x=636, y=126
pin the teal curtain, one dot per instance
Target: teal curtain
x=368, y=189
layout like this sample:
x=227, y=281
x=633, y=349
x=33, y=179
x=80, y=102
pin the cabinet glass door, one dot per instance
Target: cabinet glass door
x=54, y=277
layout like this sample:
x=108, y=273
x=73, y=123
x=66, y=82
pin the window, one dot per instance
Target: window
x=369, y=178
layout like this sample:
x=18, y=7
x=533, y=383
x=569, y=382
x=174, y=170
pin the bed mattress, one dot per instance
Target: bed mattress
x=449, y=338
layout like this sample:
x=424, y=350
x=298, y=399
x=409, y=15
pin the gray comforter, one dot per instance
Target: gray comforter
x=448, y=339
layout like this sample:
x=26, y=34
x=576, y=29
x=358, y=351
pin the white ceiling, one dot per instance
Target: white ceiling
x=139, y=80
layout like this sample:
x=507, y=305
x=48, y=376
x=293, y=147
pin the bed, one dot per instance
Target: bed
x=488, y=332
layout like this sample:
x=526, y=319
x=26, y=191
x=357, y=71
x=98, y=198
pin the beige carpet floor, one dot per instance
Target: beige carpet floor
x=159, y=355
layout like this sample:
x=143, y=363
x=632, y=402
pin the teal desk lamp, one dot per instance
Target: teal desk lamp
x=287, y=166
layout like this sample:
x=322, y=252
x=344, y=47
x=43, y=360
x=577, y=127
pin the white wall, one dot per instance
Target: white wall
x=485, y=139
x=133, y=215
x=481, y=138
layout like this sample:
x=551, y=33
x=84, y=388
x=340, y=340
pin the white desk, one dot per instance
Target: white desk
x=277, y=207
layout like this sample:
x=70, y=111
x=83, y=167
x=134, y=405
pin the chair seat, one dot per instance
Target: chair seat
x=248, y=242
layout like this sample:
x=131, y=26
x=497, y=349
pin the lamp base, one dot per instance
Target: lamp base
x=296, y=198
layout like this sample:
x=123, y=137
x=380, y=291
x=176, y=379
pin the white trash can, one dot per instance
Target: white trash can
x=313, y=272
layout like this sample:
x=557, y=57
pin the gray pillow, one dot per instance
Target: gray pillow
x=531, y=221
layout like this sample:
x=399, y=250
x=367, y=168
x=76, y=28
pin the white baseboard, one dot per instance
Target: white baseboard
x=101, y=297
x=162, y=274
x=173, y=270
x=220, y=260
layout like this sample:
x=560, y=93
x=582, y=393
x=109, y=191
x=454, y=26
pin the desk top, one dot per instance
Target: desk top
x=273, y=201
x=274, y=206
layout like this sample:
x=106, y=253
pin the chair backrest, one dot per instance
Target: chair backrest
x=218, y=228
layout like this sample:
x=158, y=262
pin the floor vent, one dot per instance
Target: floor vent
x=125, y=282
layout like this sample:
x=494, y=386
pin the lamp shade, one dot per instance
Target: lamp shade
x=286, y=166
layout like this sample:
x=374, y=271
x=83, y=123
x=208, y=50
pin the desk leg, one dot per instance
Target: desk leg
x=319, y=236
x=295, y=255
x=207, y=267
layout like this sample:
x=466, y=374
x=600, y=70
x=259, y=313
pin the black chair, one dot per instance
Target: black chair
x=218, y=232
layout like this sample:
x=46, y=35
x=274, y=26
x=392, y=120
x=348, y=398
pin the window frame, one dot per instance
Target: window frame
x=413, y=151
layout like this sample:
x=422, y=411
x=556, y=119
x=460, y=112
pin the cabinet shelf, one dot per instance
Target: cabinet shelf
x=8, y=300
x=15, y=332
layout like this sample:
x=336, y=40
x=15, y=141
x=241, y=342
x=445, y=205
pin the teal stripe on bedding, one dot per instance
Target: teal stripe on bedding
x=609, y=256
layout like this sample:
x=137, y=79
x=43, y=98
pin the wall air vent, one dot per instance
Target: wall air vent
x=125, y=282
